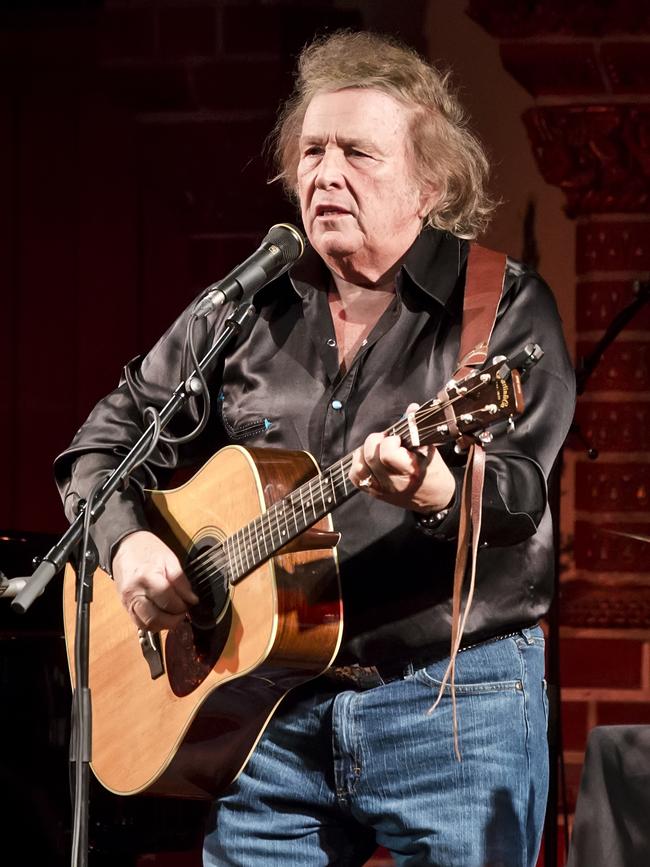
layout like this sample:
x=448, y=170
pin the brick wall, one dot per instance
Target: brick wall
x=586, y=68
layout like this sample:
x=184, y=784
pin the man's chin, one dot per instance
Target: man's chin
x=334, y=245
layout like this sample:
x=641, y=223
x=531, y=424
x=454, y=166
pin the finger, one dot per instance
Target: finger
x=181, y=585
x=383, y=458
x=360, y=474
x=176, y=587
x=154, y=586
x=148, y=616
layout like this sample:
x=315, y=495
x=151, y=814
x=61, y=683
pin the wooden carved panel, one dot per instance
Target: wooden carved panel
x=598, y=154
x=523, y=18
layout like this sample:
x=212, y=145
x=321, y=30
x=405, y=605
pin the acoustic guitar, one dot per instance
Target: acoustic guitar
x=179, y=712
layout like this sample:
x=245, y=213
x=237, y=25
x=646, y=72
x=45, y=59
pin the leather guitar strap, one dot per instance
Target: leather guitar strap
x=483, y=291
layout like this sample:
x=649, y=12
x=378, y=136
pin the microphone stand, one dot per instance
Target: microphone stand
x=585, y=368
x=77, y=538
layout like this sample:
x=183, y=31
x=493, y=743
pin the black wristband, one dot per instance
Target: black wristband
x=432, y=521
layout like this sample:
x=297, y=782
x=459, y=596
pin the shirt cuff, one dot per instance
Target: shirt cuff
x=443, y=525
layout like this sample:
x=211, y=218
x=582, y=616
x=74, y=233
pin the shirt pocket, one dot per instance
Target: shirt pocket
x=241, y=426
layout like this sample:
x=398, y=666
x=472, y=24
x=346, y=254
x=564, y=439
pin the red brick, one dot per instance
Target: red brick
x=614, y=427
x=591, y=603
x=127, y=33
x=623, y=713
x=47, y=224
x=573, y=774
x=600, y=551
x=148, y=88
x=627, y=66
x=187, y=31
x=213, y=173
x=557, y=68
x=574, y=725
x=212, y=258
x=609, y=487
x=9, y=357
x=508, y=18
x=239, y=37
x=600, y=663
x=623, y=246
x=281, y=29
x=240, y=84
x=624, y=366
x=598, y=302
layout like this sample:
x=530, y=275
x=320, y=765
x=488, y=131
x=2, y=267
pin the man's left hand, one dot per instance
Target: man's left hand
x=418, y=480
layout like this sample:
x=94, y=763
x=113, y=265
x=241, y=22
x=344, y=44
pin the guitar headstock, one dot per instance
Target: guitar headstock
x=473, y=404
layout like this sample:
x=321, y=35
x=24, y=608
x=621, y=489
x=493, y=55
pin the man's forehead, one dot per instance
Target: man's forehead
x=353, y=116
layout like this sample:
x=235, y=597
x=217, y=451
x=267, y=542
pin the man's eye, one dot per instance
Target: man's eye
x=356, y=153
x=312, y=151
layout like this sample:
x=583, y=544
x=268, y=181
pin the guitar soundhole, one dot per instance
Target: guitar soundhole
x=205, y=568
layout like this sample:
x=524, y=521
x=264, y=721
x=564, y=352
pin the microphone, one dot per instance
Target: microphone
x=282, y=246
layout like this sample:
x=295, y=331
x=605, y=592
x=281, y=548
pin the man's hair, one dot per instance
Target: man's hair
x=444, y=153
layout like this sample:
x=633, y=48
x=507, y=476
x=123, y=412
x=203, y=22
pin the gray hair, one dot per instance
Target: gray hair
x=444, y=153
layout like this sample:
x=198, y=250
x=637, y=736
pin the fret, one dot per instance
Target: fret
x=268, y=533
x=277, y=521
x=249, y=545
x=257, y=525
x=294, y=513
x=286, y=521
x=321, y=491
x=302, y=505
x=344, y=479
x=329, y=501
x=310, y=502
x=245, y=543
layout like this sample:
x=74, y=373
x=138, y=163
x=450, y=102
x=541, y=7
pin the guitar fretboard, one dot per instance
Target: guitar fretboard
x=470, y=405
x=253, y=544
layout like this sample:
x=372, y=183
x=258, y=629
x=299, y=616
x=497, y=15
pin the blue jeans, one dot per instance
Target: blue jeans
x=339, y=772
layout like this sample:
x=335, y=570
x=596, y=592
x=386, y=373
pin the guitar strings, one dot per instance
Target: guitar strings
x=217, y=558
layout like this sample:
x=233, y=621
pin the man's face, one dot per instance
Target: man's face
x=360, y=204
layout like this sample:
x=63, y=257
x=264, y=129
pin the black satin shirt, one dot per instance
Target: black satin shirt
x=281, y=386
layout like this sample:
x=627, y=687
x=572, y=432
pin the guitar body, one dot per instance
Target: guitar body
x=189, y=731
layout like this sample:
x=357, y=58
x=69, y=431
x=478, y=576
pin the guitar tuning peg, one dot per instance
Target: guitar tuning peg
x=511, y=425
x=485, y=436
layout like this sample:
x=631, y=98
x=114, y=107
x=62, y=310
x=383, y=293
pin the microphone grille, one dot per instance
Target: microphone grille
x=288, y=240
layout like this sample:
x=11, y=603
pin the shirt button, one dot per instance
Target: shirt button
x=336, y=404
x=331, y=342
x=364, y=342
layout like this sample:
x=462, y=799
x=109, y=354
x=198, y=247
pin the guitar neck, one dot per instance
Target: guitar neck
x=473, y=404
x=287, y=518
x=283, y=521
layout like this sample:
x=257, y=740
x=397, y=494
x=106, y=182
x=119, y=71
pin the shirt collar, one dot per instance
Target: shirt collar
x=433, y=264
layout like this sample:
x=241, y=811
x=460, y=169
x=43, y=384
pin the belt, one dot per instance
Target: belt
x=369, y=676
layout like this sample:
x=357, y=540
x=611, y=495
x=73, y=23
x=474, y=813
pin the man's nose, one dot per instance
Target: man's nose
x=330, y=169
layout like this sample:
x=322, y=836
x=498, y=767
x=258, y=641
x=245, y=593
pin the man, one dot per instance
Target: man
x=390, y=183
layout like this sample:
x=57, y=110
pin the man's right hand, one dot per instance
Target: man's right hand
x=151, y=583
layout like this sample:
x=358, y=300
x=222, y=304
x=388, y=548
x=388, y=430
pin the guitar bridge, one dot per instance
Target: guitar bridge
x=150, y=647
